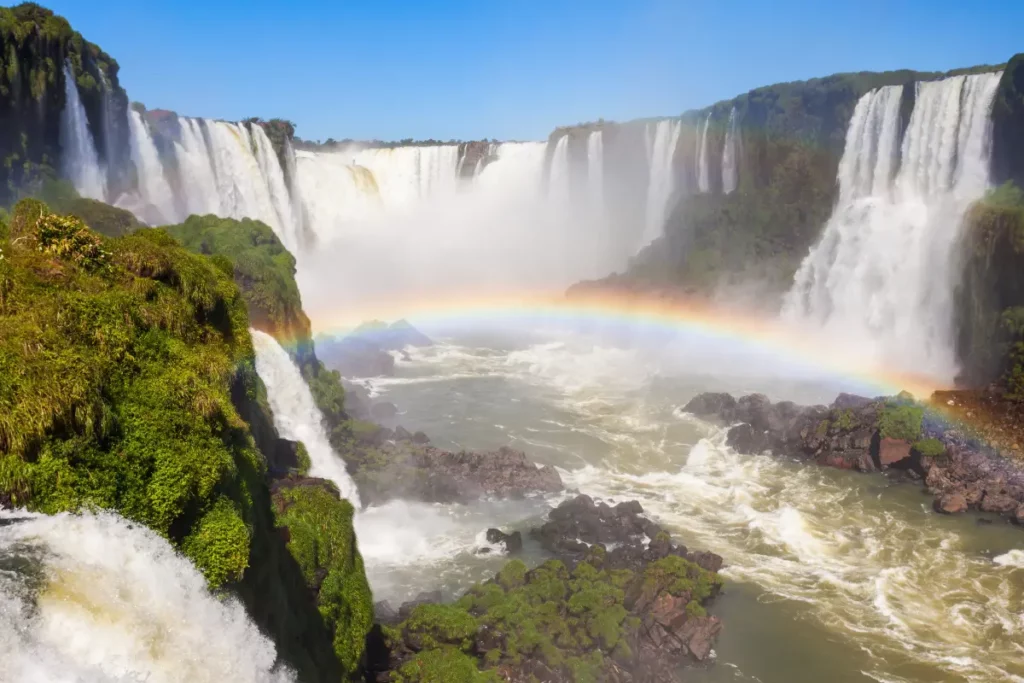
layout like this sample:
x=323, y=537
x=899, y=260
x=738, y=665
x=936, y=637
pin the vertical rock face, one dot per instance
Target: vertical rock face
x=1008, y=124
x=35, y=44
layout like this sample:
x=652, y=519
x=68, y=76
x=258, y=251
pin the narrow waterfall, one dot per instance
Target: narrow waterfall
x=296, y=415
x=661, y=139
x=153, y=187
x=93, y=597
x=595, y=171
x=80, y=162
x=558, y=171
x=276, y=187
x=883, y=274
x=110, y=116
x=703, y=175
x=730, y=156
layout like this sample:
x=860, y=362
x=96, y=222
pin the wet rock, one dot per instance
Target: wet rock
x=720, y=406
x=892, y=451
x=420, y=438
x=513, y=542
x=425, y=598
x=384, y=613
x=998, y=502
x=747, y=440
x=1018, y=516
x=950, y=503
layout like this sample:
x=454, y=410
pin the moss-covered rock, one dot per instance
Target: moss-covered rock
x=318, y=524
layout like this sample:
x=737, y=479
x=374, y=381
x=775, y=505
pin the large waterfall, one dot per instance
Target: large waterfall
x=730, y=155
x=595, y=169
x=97, y=599
x=153, y=187
x=883, y=273
x=296, y=416
x=80, y=162
x=661, y=138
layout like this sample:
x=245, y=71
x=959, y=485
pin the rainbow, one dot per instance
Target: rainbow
x=652, y=311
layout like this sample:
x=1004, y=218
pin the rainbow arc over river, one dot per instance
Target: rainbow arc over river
x=639, y=312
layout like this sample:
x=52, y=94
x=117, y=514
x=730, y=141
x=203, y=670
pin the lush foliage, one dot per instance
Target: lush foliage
x=322, y=541
x=900, y=420
x=572, y=621
x=116, y=363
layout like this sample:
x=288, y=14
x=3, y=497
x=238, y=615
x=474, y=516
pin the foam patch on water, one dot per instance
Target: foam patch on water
x=1014, y=558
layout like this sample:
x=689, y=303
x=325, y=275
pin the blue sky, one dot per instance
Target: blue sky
x=511, y=69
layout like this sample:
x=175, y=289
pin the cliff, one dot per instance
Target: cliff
x=35, y=45
x=128, y=382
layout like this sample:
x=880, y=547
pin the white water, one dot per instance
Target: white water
x=730, y=155
x=199, y=181
x=296, y=416
x=829, y=573
x=661, y=139
x=559, y=180
x=80, y=162
x=93, y=598
x=882, y=276
x=153, y=188
x=703, y=174
x=595, y=170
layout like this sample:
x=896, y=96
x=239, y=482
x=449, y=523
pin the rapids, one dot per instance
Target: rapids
x=831, y=575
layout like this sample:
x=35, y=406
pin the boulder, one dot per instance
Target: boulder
x=950, y=503
x=998, y=502
x=513, y=542
x=892, y=451
x=383, y=411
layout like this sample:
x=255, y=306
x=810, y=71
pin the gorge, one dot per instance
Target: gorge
x=197, y=484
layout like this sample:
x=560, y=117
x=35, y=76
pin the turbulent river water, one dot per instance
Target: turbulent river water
x=831, y=575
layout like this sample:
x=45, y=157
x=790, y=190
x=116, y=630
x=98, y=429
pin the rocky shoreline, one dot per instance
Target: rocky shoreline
x=897, y=436
x=618, y=601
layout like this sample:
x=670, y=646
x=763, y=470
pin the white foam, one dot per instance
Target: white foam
x=116, y=603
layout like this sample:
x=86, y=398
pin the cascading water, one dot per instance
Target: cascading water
x=296, y=415
x=199, y=181
x=276, y=187
x=883, y=274
x=703, y=174
x=730, y=156
x=661, y=138
x=81, y=163
x=97, y=599
x=153, y=187
x=558, y=172
x=595, y=170
x=242, y=189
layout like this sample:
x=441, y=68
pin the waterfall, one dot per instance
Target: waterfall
x=296, y=416
x=883, y=274
x=703, y=175
x=98, y=599
x=277, y=187
x=195, y=163
x=595, y=170
x=661, y=139
x=110, y=115
x=153, y=187
x=81, y=164
x=241, y=186
x=730, y=156
x=559, y=178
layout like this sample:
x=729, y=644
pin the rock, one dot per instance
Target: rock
x=429, y=597
x=420, y=438
x=851, y=402
x=720, y=406
x=892, y=451
x=384, y=613
x=402, y=434
x=1018, y=516
x=383, y=411
x=513, y=542
x=950, y=503
x=746, y=440
x=699, y=634
x=998, y=502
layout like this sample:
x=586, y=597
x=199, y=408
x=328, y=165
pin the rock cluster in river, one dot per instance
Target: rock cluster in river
x=620, y=602
x=894, y=435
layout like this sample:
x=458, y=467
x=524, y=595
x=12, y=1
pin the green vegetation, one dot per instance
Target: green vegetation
x=116, y=362
x=930, y=448
x=900, y=420
x=570, y=621
x=322, y=541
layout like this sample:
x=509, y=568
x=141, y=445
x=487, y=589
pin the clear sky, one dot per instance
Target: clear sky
x=512, y=69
